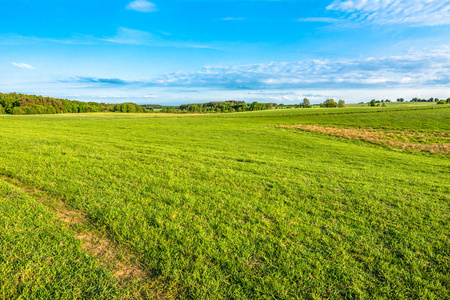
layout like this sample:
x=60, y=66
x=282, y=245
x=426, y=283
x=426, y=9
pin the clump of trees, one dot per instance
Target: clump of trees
x=152, y=107
x=383, y=102
x=444, y=101
x=305, y=103
x=329, y=103
x=21, y=104
x=332, y=103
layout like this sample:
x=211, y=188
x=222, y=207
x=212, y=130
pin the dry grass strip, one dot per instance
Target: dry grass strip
x=379, y=137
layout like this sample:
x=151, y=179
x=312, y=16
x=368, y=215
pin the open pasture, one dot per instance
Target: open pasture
x=225, y=206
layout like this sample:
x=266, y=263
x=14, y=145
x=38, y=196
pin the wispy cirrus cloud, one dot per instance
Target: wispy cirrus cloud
x=16, y=39
x=142, y=6
x=23, y=66
x=123, y=36
x=379, y=12
x=130, y=36
x=232, y=19
x=114, y=81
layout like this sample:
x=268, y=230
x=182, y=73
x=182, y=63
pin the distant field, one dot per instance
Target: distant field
x=291, y=204
x=395, y=104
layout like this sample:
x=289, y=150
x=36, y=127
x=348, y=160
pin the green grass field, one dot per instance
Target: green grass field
x=225, y=206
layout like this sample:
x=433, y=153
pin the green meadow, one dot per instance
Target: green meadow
x=226, y=206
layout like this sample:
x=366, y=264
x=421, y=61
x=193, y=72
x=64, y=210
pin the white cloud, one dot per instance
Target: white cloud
x=233, y=19
x=130, y=37
x=411, y=70
x=127, y=36
x=412, y=12
x=142, y=6
x=23, y=65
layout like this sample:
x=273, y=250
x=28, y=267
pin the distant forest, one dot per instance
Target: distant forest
x=20, y=104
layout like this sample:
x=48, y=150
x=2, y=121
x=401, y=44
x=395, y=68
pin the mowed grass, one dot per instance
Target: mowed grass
x=39, y=259
x=230, y=206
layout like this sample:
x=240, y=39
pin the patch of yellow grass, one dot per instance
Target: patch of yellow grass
x=379, y=137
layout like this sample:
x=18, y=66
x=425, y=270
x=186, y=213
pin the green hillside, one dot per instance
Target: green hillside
x=251, y=205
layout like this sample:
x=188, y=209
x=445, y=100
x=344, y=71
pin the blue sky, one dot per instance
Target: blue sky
x=174, y=52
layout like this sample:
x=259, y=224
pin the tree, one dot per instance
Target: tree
x=373, y=102
x=330, y=103
x=400, y=100
x=254, y=106
x=18, y=110
x=341, y=103
x=305, y=103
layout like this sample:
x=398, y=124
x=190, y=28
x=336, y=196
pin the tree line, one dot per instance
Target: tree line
x=238, y=106
x=21, y=104
x=383, y=102
x=222, y=107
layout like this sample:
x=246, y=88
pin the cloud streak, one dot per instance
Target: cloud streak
x=23, y=66
x=127, y=36
x=123, y=36
x=233, y=19
x=108, y=81
x=130, y=37
x=142, y=6
x=382, y=12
